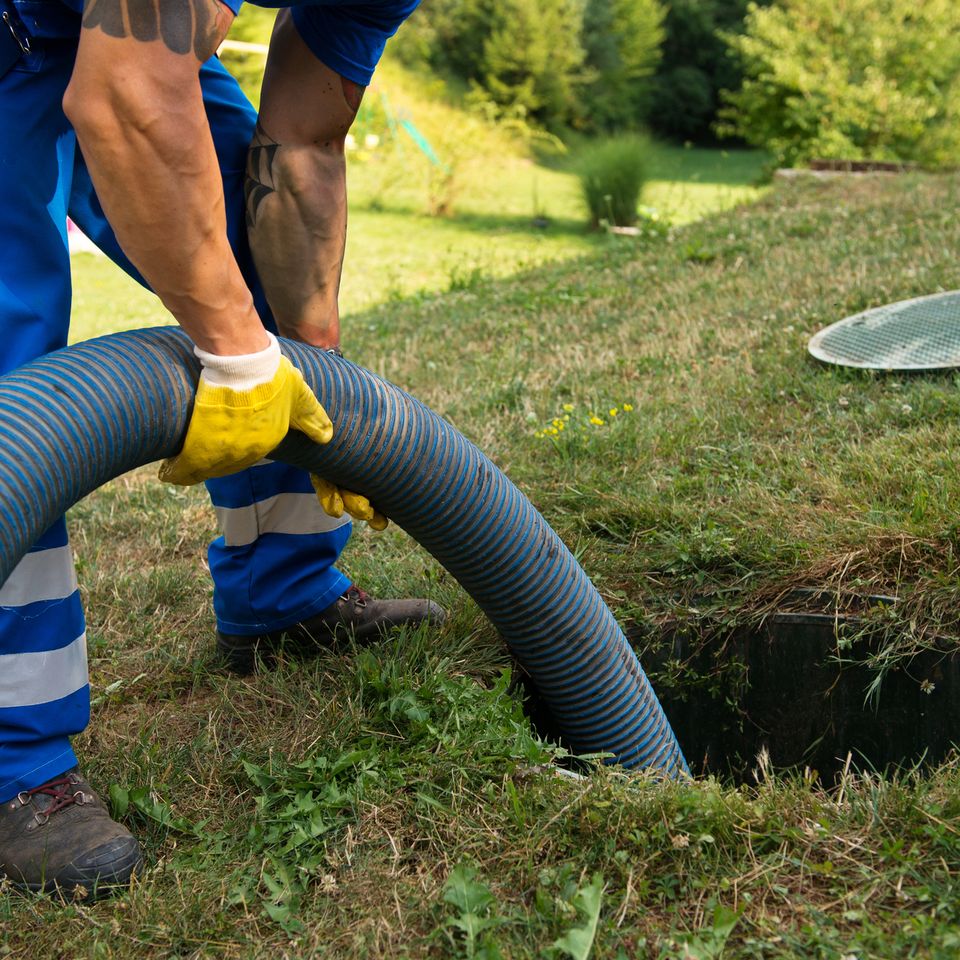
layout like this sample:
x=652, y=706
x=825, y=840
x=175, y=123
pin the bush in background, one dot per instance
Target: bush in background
x=612, y=173
x=696, y=65
x=579, y=63
x=850, y=80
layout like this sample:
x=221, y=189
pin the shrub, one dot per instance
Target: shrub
x=850, y=80
x=612, y=174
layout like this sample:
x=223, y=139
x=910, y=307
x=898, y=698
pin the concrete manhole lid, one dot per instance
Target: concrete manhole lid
x=918, y=334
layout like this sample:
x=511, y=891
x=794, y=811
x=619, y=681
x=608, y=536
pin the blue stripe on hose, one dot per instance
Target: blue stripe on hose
x=125, y=400
x=29, y=491
x=90, y=446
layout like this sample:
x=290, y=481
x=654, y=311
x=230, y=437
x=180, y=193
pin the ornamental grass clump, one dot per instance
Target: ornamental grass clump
x=612, y=174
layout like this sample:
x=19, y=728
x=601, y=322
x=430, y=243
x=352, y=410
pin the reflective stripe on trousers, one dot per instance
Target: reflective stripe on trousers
x=283, y=574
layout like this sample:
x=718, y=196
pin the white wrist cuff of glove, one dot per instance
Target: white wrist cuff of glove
x=242, y=372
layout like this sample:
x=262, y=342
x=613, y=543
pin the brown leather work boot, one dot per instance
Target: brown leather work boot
x=356, y=614
x=59, y=836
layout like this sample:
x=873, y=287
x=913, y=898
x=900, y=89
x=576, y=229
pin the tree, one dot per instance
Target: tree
x=697, y=64
x=621, y=40
x=522, y=55
x=585, y=63
x=850, y=80
x=532, y=57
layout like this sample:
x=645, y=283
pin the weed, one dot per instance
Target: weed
x=707, y=943
x=465, y=277
x=577, y=942
x=472, y=920
x=575, y=433
x=695, y=252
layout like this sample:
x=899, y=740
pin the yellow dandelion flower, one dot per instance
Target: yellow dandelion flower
x=628, y=407
x=553, y=431
x=561, y=426
x=568, y=408
x=614, y=412
x=557, y=421
x=597, y=421
x=566, y=419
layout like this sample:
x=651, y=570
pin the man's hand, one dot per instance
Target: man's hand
x=245, y=405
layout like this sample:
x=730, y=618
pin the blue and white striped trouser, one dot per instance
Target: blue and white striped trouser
x=274, y=564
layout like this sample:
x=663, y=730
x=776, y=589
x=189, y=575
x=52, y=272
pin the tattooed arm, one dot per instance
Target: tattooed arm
x=296, y=187
x=136, y=104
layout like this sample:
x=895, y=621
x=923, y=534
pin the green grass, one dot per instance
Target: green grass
x=742, y=471
x=502, y=212
x=395, y=249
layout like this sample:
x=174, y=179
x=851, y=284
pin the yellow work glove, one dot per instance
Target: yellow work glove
x=244, y=407
x=336, y=502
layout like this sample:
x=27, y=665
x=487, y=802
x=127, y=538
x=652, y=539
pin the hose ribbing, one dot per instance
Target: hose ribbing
x=75, y=419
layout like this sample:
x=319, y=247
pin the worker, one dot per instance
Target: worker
x=120, y=115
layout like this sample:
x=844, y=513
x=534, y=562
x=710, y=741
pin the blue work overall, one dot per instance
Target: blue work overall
x=274, y=564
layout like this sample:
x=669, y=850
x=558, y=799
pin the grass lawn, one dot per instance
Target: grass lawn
x=505, y=213
x=390, y=802
x=396, y=250
x=492, y=232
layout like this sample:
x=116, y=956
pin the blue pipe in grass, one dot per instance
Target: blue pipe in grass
x=79, y=417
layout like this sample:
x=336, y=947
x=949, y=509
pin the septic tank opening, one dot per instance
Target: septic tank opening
x=797, y=689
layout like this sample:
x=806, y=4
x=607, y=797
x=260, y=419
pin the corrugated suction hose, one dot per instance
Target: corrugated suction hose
x=79, y=417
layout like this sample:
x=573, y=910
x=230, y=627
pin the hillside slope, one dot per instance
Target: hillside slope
x=389, y=802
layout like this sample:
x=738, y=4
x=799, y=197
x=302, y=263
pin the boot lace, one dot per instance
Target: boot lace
x=356, y=596
x=63, y=792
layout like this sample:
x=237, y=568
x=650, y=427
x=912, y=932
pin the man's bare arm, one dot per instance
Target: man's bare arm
x=296, y=191
x=136, y=104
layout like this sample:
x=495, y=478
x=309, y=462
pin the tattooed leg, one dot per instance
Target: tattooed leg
x=296, y=191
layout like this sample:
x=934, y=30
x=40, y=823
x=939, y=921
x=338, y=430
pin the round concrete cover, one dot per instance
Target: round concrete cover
x=918, y=334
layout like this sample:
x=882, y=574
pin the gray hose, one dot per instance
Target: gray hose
x=79, y=417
